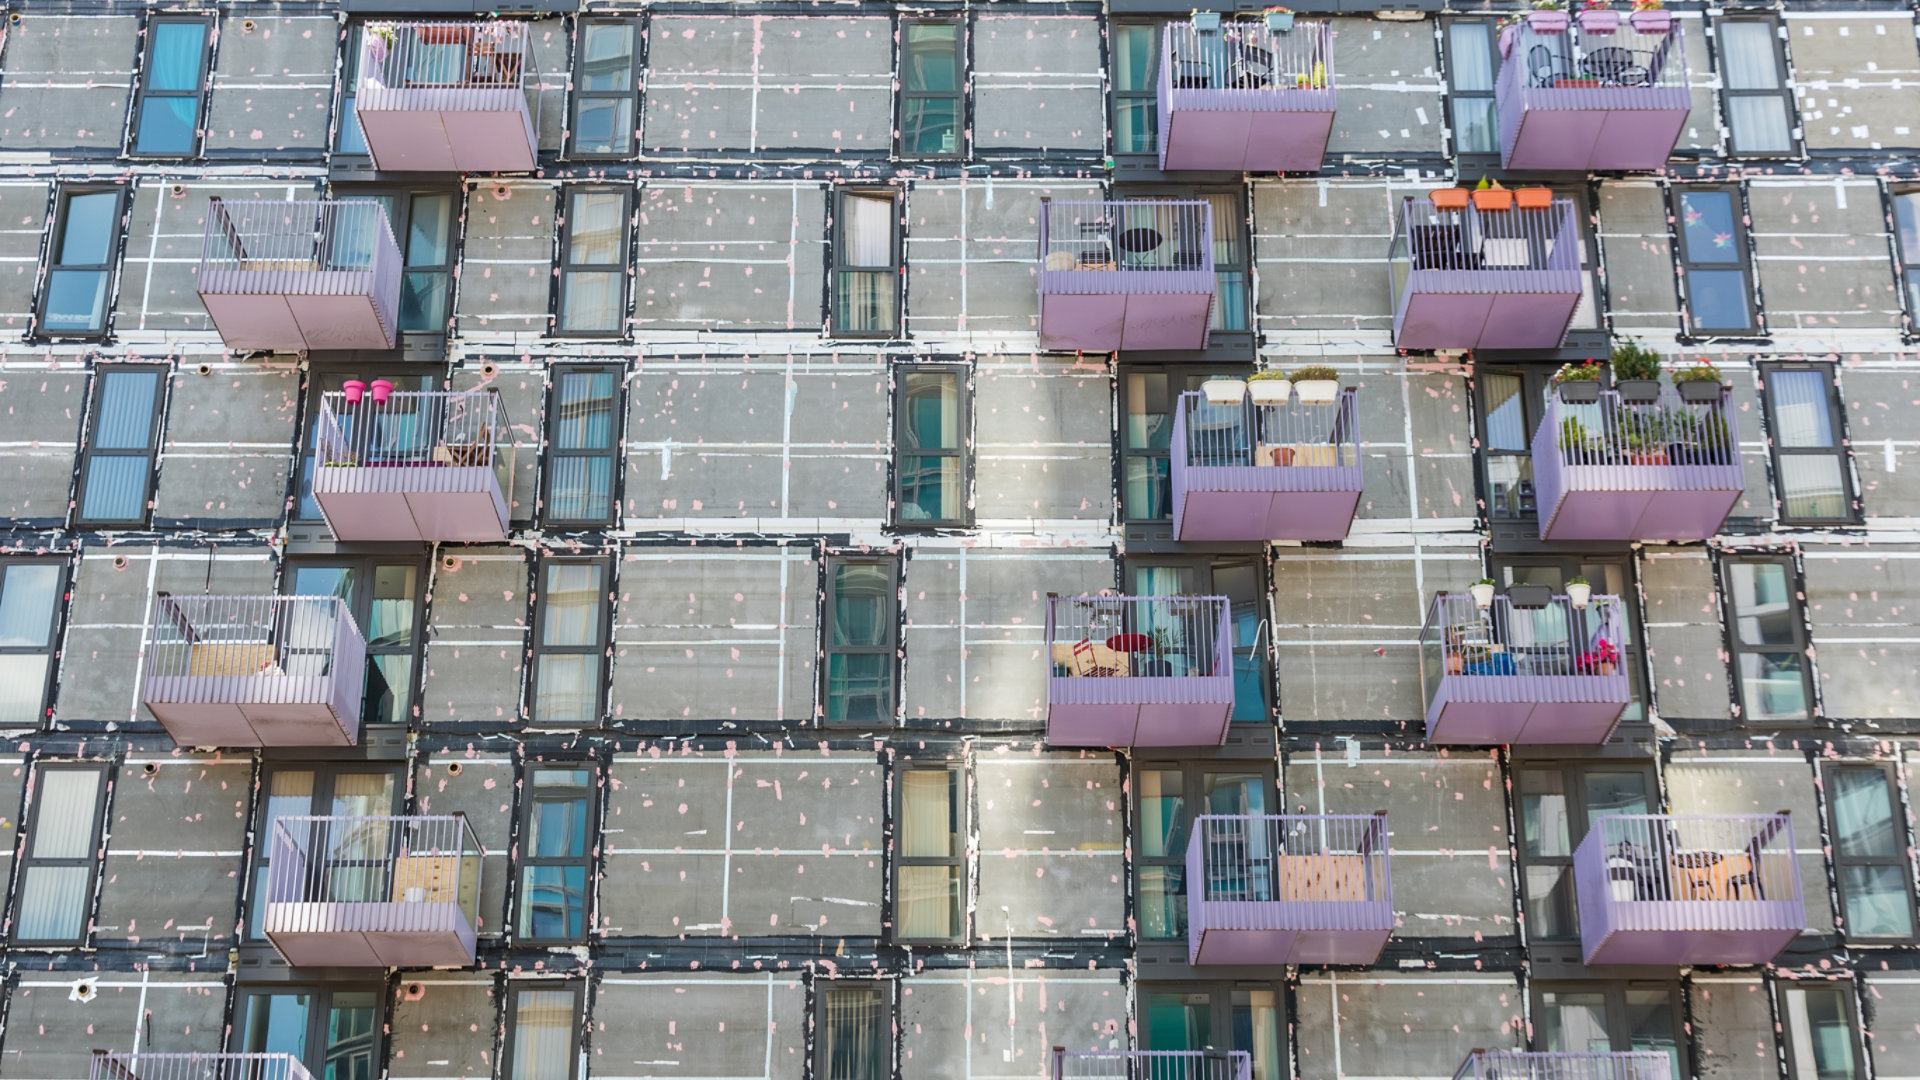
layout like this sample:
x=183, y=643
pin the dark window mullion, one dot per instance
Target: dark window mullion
x=122, y=482
x=1774, y=377
x=620, y=143
x=150, y=96
x=32, y=884
x=587, y=712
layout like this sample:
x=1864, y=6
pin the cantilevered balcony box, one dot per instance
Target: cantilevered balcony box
x=1125, y=275
x=254, y=670
x=1509, y=674
x=1288, y=889
x=1581, y=101
x=1577, y=1065
x=419, y=466
x=292, y=276
x=1139, y=670
x=448, y=97
x=1612, y=470
x=373, y=891
x=144, y=1066
x=1152, y=1064
x=1464, y=279
x=1264, y=472
x=1245, y=98
x=1675, y=889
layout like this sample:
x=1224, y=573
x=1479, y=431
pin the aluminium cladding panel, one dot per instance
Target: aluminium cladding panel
x=730, y=256
x=272, y=87
x=54, y=1034
x=175, y=864
x=42, y=407
x=43, y=108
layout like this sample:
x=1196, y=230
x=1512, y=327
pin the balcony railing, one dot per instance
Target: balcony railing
x=1603, y=1065
x=1688, y=888
x=1265, y=472
x=1512, y=674
x=139, y=1066
x=1613, y=470
x=1592, y=102
x=1139, y=670
x=300, y=275
x=254, y=670
x=1136, y=274
x=373, y=891
x=1152, y=1064
x=1244, y=98
x=1288, y=889
x=420, y=466
x=449, y=97
x=1463, y=279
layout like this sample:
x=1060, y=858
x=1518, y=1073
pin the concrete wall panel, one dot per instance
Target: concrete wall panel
x=174, y=865
x=1037, y=83
x=1051, y=842
x=483, y=790
x=716, y=1027
x=730, y=256
x=52, y=1036
x=1867, y=640
x=229, y=442
x=1855, y=80
x=506, y=269
x=68, y=81
x=1686, y=653
x=272, y=87
x=1406, y=1025
x=447, y=1032
x=1389, y=81
x=43, y=410
x=478, y=638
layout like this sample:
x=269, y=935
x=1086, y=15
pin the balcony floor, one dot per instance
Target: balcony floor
x=1104, y=322
x=362, y=935
x=287, y=322
x=1464, y=713
x=1668, y=948
x=452, y=139
x=1297, y=946
x=372, y=504
x=1636, y=515
x=1256, y=138
x=1204, y=515
x=1128, y=711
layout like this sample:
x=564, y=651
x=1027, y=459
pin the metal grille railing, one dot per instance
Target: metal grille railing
x=1521, y=1065
x=1289, y=858
x=1554, y=641
x=408, y=65
x=1698, y=859
x=1429, y=238
x=1683, y=436
x=1135, y=234
x=407, y=863
x=261, y=649
x=1152, y=1065
x=427, y=429
x=1248, y=56
x=1614, y=69
x=316, y=247
x=139, y=1066
x=1296, y=434
x=1135, y=636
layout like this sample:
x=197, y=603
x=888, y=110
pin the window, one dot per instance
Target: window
x=1242, y=580
x=86, y=228
x=931, y=60
x=1237, y=1016
x=1230, y=303
x=1599, y=1018
x=862, y=624
x=1136, y=80
x=582, y=447
x=1510, y=402
x=1906, y=217
x=427, y=250
x=866, y=275
x=167, y=112
x=1609, y=577
x=543, y=1029
x=605, y=90
x=63, y=838
x=385, y=597
x=1870, y=853
x=571, y=611
x=928, y=870
x=1819, y=1025
x=930, y=445
x=350, y=139
x=31, y=591
x=1473, y=70
x=123, y=433
x=554, y=864
x=1164, y=815
x=1150, y=397
x=334, y=1031
x=398, y=429
x=1713, y=262
x=852, y=1034
x=1754, y=85
x=318, y=791
x=1768, y=636
x=1810, y=468
x=1558, y=804
x=593, y=293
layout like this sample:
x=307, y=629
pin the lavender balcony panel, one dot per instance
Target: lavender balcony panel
x=1616, y=471
x=1246, y=99
x=143, y=1066
x=254, y=670
x=1288, y=889
x=1675, y=889
x=448, y=97
x=373, y=891
x=1590, y=102
x=1126, y=275
x=1152, y=1065
x=1471, y=280
x=420, y=466
x=1139, y=671
x=300, y=275
x=1265, y=472
x=1583, y=1065
x=1511, y=675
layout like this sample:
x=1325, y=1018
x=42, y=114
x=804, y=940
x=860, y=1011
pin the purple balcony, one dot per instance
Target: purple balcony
x=254, y=670
x=1265, y=472
x=1514, y=674
x=141, y=1066
x=292, y=276
x=419, y=466
x=1588, y=1065
x=1581, y=101
x=1612, y=470
x=448, y=97
x=1246, y=99
x=1152, y=1064
x=1125, y=275
x=1288, y=889
x=1139, y=670
x=1675, y=889
x=1463, y=279
x=373, y=891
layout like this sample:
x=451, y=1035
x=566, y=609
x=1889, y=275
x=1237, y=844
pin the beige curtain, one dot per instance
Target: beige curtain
x=927, y=906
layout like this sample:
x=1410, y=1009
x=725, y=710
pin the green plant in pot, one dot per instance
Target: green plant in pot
x=1636, y=373
x=1699, y=383
x=1578, y=446
x=1579, y=591
x=1316, y=384
x=1579, y=384
x=1269, y=387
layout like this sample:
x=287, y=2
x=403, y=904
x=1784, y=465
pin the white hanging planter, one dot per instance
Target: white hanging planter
x=1270, y=391
x=1482, y=596
x=1224, y=391
x=1318, y=391
x=1579, y=595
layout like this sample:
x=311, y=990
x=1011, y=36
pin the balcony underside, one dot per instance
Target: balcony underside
x=421, y=503
x=1747, y=932
x=1309, y=939
x=1480, y=710
x=289, y=310
x=1104, y=314
x=1139, y=711
x=302, y=715
x=362, y=934
x=1243, y=131
x=1585, y=130
x=1594, y=506
x=1204, y=512
x=450, y=130
x=1486, y=309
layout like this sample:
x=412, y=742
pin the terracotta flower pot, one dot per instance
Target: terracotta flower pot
x=1453, y=198
x=1533, y=198
x=1492, y=199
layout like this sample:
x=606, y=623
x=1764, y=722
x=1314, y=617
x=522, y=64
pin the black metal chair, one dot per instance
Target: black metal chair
x=1544, y=66
x=1615, y=66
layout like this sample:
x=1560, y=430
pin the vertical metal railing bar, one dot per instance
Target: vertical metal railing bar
x=1564, y=1065
x=1611, y=71
x=1136, y=234
x=409, y=66
x=1692, y=444
x=1152, y=1064
x=306, y=248
x=424, y=429
x=404, y=865
x=189, y=1066
x=1697, y=863
x=1551, y=642
x=1278, y=859
x=1305, y=435
x=1142, y=635
x=219, y=647
x=1243, y=56
x=1504, y=240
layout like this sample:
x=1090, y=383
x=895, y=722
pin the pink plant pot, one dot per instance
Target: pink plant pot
x=382, y=390
x=355, y=390
x=1651, y=22
x=1547, y=22
x=1599, y=21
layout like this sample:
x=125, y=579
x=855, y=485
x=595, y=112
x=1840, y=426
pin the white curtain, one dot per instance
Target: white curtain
x=927, y=830
x=542, y=1035
x=867, y=231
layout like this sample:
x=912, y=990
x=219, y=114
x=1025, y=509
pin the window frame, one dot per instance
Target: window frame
x=92, y=860
x=1193, y=773
x=510, y=1006
x=536, y=650
x=1730, y=616
x=526, y=860
x=347, y=100
x=1126, y=452
x=55, y=624
x=565, y=266
x=400, y=219
x=890, y=648
x=156, y=424
x=551, y=451
x=957, y=794
x=1220, y=1017
x=1489, y=26
x=958, y=95
x=1520, y=504
x=318, y=1016
x=319, y=802
x=895, y=268
x=1903, y=845
x=1841, y=449
x=360, y=604
x=63, y=203
x=1207, y=568
x=1115, y=95
x=963, y=390
x=636, y=63
x=1685, y=264
x=1906, y=264
x=1618, y=1029
x=1795, y=137
x=884, y=990
x=1850, y=1010
x=1633, y=650
x=1580, y=818
x=142, y=92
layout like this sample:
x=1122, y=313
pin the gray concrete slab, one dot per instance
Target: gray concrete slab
x=477, y=638
x=1051, y=842
x=506, y=270
x=229, y=442
x=1684, y=643
x=1388, y=79
x=175, y=864
x=42, y=105
x=730, y=256
x=44, y=409
x=1420, y=1024
x=1037, y=83
x=716, y=1027
x=272, y=89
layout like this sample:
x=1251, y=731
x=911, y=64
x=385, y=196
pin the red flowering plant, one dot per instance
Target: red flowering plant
x=1601, y=656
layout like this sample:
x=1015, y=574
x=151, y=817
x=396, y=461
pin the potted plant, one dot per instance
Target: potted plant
x=1269, y=387
x=1449, y=198
x=1316, y=384
x=1599, y=660
x=1548, y=17
x=1596, y=17
x=1533, y=198
x=1577, y=446
x=1647, y=442
x=1636, y=373
x=1279, y=19
x=1648, y=17
x=1488, y=195
x=1206, y=22
x=1579, y=591
x=1482, y=592
x=1579, y=384
x=1222, y=391
x=1699, y=383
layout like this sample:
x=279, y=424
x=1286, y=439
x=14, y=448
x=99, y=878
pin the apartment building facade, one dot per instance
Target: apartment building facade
x=722, y=540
